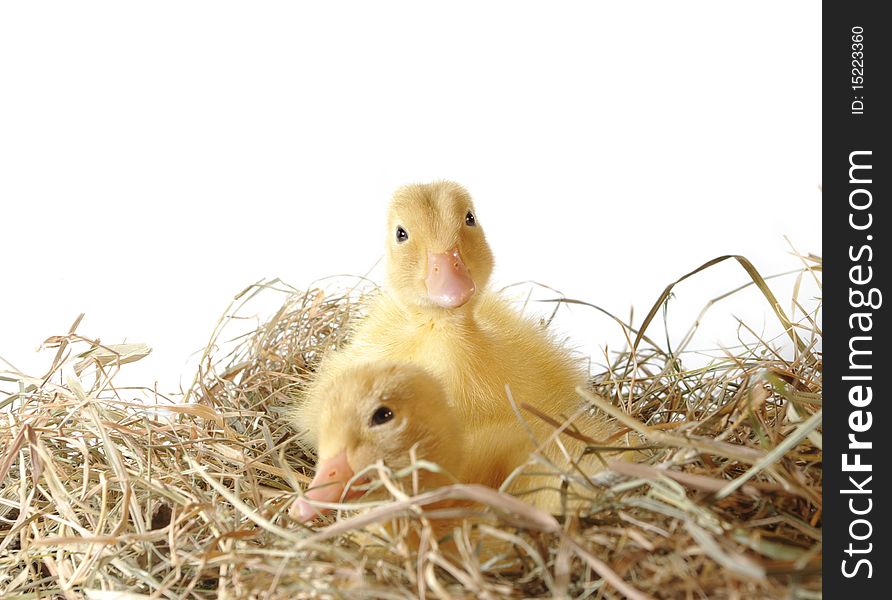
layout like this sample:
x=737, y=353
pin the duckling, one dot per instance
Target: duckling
x=382, y=411
x=436, y=311
x=386, y=411
x=390, y=412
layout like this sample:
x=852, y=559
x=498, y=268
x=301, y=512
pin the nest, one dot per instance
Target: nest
x=126, y=493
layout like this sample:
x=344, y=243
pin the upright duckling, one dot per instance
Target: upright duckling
x=437, y=312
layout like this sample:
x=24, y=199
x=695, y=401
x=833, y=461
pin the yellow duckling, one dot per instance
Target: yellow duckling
x=436, y=312
x=389, y=411
x=382, y=411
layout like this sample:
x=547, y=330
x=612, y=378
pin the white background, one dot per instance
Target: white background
x=154, y=160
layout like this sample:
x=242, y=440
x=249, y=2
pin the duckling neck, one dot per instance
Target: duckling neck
x=461, y=318
x=434, y=317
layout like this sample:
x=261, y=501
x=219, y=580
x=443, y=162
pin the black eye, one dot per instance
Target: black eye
x=381, y=416
x=470, y=221
x=401, y=234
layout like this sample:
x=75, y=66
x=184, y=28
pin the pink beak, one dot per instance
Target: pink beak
x=332, y=475
x=448, y=281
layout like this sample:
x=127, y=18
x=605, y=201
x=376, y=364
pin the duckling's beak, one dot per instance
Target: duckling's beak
x=448, y=281
x=332, y=475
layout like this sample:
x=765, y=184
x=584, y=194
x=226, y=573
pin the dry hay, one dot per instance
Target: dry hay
x=108, y=490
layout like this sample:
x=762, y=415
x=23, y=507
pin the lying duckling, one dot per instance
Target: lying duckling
x=437, y=312
x=385, y=412
x=380, y=412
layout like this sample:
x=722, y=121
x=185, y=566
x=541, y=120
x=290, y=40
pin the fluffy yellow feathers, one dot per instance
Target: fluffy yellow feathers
x=438, y=326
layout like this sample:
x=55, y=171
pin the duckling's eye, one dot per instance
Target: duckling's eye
x=381, y=416
x=470, y=221
x=401, y=234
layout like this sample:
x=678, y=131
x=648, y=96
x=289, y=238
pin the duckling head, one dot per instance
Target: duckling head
x=437, y=255
x=379, y=411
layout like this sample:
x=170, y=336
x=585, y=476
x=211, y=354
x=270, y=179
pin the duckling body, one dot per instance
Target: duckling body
x=436, y=312
x=474, y=353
